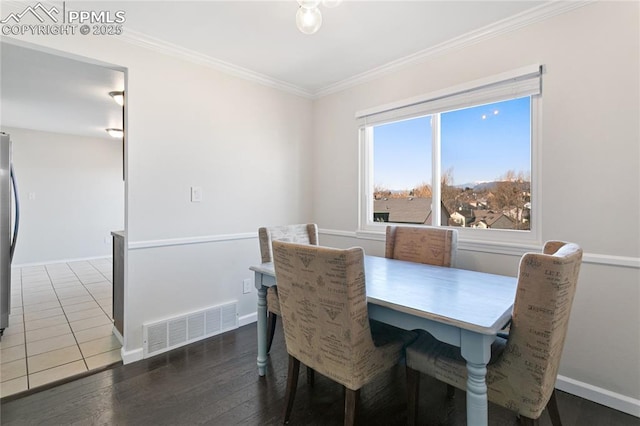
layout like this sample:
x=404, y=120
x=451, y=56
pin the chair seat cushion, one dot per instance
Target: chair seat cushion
x=273, y=304
x=443, y=361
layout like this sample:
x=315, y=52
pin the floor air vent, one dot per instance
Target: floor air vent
x=171, y=333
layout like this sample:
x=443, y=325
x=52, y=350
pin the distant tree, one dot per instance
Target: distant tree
x=421, y=191
x=380, y=192
x=510, y=194
x=449, y=194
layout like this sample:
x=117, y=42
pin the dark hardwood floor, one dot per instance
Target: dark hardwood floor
x=215, y=382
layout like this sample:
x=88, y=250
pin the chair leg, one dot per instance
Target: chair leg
x=526, y=421
x=311, y=376
x=292, y=385
x=552, y=406
x=351, y=400
x=413, y=392
x=271, y=329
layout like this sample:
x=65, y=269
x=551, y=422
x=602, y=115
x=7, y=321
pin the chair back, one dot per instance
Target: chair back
x=302, y=234
x=324, y=310
x=423, y=244
x=529, y=365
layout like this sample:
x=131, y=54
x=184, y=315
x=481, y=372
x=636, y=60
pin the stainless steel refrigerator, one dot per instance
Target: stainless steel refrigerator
x=9, y=222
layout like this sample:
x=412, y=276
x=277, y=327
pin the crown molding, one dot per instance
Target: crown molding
x=152, y=43
x=528, y=17
x=523, y=19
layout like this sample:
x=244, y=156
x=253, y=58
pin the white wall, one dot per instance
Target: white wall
x=590, y=162
x=250, y=149
x=245, y=144
x=71, y=195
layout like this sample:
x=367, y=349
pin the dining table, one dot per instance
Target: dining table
x=461, y=307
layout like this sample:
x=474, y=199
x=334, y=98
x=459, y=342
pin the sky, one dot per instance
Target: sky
x=480, y=144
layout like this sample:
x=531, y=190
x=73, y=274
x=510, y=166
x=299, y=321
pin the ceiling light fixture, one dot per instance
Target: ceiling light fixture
x=308, y=20
x=118, y=96
x=115, y=133
x=309, y=17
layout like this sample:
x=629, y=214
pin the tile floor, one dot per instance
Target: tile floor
x=60, y=324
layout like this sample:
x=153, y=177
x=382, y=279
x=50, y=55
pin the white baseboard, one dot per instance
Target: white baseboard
x=54, y=261
x=118, y=336
x=247, y=319
x=131, y=356
x=599, y=395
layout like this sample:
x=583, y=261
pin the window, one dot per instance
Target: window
x=464, y=158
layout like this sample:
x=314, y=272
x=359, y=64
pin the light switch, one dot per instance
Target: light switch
x=32, y=195
x=246, y=285
x=196, y=194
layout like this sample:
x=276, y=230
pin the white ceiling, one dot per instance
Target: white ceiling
x=46, y=92
x=256, y=39
x=355, y=37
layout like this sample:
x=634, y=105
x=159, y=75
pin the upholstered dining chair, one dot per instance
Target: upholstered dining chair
x=422, y=244
x=303, y=234
x=522, y=371
x=326, y=320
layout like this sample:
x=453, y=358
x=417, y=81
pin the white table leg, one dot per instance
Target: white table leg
x=476, y=350
x=262, y=325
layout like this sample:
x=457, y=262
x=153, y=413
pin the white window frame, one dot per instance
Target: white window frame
x=410, y=108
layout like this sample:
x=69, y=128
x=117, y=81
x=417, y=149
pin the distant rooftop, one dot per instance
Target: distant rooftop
x=407, y=210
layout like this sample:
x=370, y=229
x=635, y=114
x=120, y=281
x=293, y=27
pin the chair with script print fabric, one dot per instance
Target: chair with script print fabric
x=422, y=244
x=522, y=372
x=323, y=302
x=302, y=234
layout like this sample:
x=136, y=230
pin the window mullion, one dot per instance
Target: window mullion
x=436, y=172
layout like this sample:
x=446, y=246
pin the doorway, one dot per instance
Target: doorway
x=71, y=184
